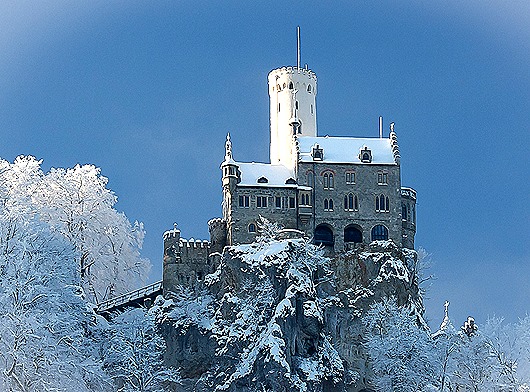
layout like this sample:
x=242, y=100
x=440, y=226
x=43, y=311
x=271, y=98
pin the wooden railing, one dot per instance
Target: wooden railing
x=129, y=297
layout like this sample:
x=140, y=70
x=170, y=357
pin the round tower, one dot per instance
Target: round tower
x=292, y=92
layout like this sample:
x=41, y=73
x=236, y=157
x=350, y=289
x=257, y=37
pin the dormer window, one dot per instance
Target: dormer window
x=290, y=181
x=263, y=180
x=365, y=155
x=317, y=153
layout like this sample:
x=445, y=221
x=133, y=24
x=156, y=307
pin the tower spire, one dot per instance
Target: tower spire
x=298, y=47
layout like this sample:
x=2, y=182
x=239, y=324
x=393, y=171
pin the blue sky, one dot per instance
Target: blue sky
x=148, y=90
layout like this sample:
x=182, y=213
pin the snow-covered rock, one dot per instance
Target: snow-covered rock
x=277, y=315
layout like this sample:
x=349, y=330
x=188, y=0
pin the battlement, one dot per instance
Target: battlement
x=175, y=233
x=192, y=243
x=408, y=192
x=293, y=70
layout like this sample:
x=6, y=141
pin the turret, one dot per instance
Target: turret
x=292, y=94
x=230, y=169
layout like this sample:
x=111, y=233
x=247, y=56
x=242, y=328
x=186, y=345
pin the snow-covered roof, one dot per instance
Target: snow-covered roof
x=346, y=149
x=276, y=175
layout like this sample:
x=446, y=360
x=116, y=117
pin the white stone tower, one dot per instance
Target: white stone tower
x=292, y=92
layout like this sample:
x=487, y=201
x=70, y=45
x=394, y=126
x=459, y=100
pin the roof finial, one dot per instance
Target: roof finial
x=380, y=127
x=228, y=148
x=298, y=47
x=391, y=127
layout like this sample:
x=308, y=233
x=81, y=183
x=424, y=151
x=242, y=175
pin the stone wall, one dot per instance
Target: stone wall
x=366, y=188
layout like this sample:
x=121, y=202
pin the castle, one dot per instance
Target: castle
x=340, y=191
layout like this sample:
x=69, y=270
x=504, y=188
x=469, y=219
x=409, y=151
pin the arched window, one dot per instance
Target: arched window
x=308, y=88
x=263, y=180
x=323, y=236
x=328, y=204
x=379, y=232
x=382, y=203
x=290, y=181
x=366, y=157
x=291, y=85
x=353, y=234
x=310, y=181
x=331, y=204
x=329, y=181
x=252, y=228
x=351, y=203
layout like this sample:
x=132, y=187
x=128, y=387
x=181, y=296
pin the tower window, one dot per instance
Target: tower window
x=311, y=108
x=310, y=179
x=382, y=178
x=308, y=88
x=379, y=232
x=328, y=204
x=351, y=202
x=350, y=177
x=382, y=203
x=244, y=201
x=296, y=105
x=329, y=182
x=252, y=228
x=291, y=85
x=261, y=202
x=404, y=212
x=278, y=107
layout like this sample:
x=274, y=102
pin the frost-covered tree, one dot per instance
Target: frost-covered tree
x=134, y=353
x=45, y=324
x=76, y=203
x=401, y=354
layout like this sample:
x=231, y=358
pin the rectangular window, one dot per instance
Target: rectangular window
x=350, y=178
x=292, y=203
x=305, y=199
x=244, y=201
x=278, y=201
x=261, y=202
x=382, y=178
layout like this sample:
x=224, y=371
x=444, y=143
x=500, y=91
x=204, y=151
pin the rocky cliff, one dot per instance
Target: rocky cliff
x=278, y=315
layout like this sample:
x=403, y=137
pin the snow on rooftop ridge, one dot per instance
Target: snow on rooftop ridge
x=346, y=149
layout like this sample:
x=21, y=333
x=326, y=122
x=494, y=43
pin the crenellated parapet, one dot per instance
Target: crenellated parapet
x=186, y=262
x=218, y=231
